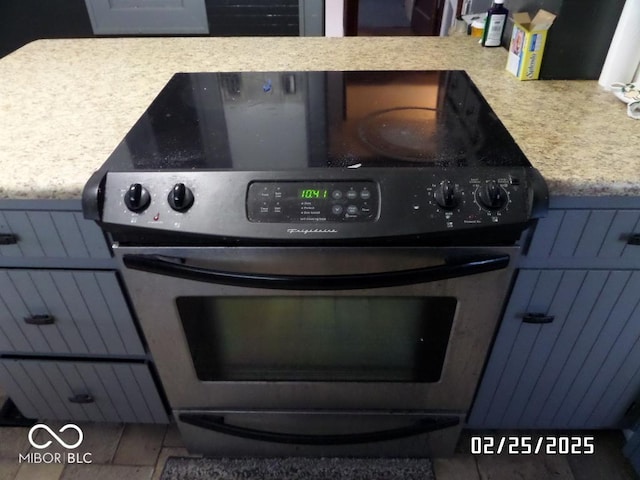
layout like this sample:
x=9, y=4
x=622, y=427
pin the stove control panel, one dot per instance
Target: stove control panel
x=309, y=202
x=376, y=203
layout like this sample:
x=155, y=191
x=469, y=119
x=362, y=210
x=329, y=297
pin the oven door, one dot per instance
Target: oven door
x=320, y=328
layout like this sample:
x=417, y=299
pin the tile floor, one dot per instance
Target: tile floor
x=137, y=452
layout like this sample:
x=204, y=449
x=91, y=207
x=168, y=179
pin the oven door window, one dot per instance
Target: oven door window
x=309, y=338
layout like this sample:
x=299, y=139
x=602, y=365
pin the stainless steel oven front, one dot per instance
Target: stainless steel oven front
x=311, y=350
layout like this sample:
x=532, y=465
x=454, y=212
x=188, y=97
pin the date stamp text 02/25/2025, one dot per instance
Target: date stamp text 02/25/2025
x=530, y=445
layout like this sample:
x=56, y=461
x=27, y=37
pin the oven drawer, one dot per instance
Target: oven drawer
x=266, y=433
x=83, y=391
x=65, y=312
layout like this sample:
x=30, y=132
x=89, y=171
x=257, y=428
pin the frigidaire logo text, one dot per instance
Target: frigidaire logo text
x=306, y=231
x=54, y=457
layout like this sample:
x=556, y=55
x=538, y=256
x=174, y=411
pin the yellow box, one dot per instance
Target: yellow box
x=527, y=43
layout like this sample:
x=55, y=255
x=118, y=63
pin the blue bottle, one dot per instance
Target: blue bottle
x=494, y=26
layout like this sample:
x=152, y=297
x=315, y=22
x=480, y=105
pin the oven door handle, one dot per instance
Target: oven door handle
x=216, y=423
x=452, y=268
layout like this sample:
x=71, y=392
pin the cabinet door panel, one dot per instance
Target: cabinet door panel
x=90, y=391
x=578, y=371
x=561, y=402
x=51, y=234
x=90, y=314
x=612, y=352
x=597, y=238
x=109, y=17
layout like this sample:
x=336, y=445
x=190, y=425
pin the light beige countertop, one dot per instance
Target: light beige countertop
x=66, y=104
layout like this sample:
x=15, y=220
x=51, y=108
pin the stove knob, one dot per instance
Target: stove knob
x=137, y=198
x=445, y=195
x=492, y=196
x=180, y=198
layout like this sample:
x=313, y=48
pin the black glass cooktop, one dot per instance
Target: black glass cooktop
x=259, y=121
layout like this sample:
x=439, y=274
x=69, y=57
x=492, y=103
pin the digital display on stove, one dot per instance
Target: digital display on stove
x=309, y=202
x=313, y=193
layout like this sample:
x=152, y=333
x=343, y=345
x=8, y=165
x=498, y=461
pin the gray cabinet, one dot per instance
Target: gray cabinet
x=82, y=390
x=568, y=347
x=69, y=346
x=135, y=17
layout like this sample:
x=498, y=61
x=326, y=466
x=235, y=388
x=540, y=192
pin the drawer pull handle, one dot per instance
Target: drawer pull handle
x=82, y=398
x=8, y=239
x=45, y=319
x=538, y=318
x=634, y=239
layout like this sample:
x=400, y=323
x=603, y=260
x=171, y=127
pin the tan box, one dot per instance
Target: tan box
x=527, y=43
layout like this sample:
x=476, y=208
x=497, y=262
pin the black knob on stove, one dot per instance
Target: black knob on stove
x=137, y=198
x=445, y=195
x=180, y=198
x=492, y=196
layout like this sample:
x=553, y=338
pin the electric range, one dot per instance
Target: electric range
x=269, y=157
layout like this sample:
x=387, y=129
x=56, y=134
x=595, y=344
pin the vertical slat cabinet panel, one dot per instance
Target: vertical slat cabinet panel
x=569, y=234
x=621, y=336
x=85, y=381
x=587, y=235
x=615, y=245
x=594, y=233
x=16, y=334
x=10, y=250
x=556, y=304
x=70, y=234
x=47, y=234
x=566, y=393
x=580, y=371
x=93, y=237
x=28, y=242
x=64, y=383
x=540, y=300
x=545, y=234
x=20, y=391
x=89, y=315
x=93, y=391
x=44, y=338
x=51, y=234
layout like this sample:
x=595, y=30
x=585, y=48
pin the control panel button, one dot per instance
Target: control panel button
x=352, y=210
x=180, y=198
x=352, y=194
x=137, y=198
x=365, y=194
x=336, y=194
x=336, y=209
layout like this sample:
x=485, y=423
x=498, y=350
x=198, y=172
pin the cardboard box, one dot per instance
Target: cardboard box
x=527, y=43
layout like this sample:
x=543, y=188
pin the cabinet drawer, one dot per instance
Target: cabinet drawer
x=83, y=391
x=50, y=234
x=600, y=237
x=65, y=312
